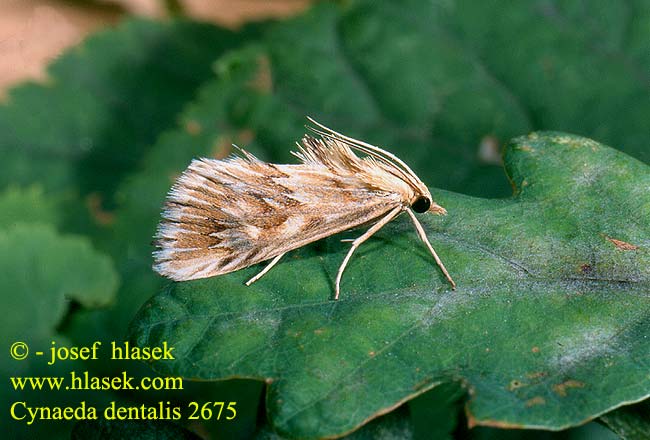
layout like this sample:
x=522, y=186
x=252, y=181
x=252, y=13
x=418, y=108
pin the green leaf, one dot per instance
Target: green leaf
x=629, y=422
x=27, y=205
x=571, y=67
x=395, y=425
x=132, y=429
x=43, y=273
x=546, y=329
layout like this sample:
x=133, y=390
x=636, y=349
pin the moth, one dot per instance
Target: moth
x=224, y=215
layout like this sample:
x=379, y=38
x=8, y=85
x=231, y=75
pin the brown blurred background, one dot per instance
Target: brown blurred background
x=34, y=32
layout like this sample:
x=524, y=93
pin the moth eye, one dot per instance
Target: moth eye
x=421, y=204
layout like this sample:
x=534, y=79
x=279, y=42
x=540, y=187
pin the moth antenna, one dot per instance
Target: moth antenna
x=248, y=156
x=383, y=155
x=371, y=154
x=359, y=143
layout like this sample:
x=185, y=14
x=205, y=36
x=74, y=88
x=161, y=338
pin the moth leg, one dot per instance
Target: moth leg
x=423, y=237
x=266, y=269
x=356, y=243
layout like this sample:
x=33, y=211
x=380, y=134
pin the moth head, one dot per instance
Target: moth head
x=422, y=202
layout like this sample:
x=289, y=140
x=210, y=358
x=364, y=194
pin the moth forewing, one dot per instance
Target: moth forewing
x=224, y=215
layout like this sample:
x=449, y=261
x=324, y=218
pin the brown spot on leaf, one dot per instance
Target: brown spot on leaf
x=192, y=127
x=536, y=374
x=319, y=331
x=561, y=388
x=371, y=354
x=586, y=268
x=537, y=400
x=263, y=79
x=535, y=349
x=472, y=422
x=245, y=136
x=221, y=148
x=94, y=205
x=525, y=148
x=622, y=245
x=515, y=384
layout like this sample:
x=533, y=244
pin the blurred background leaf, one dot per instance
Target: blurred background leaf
x=630, y=422
x=45, y=275
x=114, y=94
x=27, y=205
